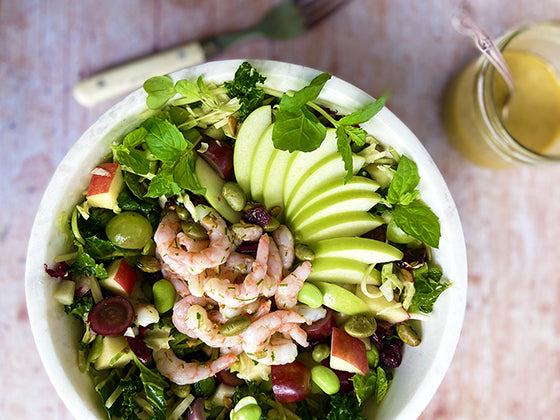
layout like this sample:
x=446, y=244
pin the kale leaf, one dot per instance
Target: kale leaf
x=80, y=306
x=344, y=407
x=244, y=87
x=85, y=265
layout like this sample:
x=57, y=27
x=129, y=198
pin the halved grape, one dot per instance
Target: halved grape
x=111, y=316
x=220, y=156
x=322, y=328
x=290, y=382
x=229, y=378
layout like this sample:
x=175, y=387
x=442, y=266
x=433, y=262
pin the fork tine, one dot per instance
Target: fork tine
x=314, y=11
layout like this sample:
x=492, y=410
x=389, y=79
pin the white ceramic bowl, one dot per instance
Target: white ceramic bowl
x=57, y=334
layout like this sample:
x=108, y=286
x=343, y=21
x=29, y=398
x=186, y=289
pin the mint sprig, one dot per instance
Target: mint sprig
x=411, y=215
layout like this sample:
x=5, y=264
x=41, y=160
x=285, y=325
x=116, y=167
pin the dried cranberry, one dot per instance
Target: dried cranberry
x=248, y=248
x=139, y=348
x=258, y=216
x=413, y=258
x=60, y=270
x=390, y=355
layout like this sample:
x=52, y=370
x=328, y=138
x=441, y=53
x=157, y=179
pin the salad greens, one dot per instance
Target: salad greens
x=158, y=162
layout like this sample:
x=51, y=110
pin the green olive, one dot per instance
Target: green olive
x=234, y=196
x=129, y=230
x=407, y=334
x=304, y=252
x=194, y=230
x=360, y=326
x=148, y=264
x=235, y=325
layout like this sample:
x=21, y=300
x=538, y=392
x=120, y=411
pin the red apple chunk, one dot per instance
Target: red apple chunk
x=121, y=278
x=348, y=353
x=291, y=382
x=105, y=186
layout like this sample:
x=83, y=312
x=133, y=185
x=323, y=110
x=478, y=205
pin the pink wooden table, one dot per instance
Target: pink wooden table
x=507, y=364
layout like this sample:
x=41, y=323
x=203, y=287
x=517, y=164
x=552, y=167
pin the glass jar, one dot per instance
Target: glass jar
x=473, y=120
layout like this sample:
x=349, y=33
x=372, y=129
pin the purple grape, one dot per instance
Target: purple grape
x=111, y=316
x=390, y=355
x=139, y=348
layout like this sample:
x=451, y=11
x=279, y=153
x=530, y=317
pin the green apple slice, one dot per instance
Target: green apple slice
x=247, y=138
x=301, y=161
x=342, y=270
x=330, y=205
x=390, y=311
x=272, y=182
x=331, y=189
x=342, y=300
x=214, y=183
x=352, y=223
x=259, y=164
x=368, y=251
x=329, y=168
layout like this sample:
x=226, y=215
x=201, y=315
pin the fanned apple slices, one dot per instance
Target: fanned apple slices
x=319, y=208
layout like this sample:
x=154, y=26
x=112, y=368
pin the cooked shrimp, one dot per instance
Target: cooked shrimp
x=310, y=314
x=258, y=340
x=237, y=295
x=182, y=373
x=239, y=263
x=188, y=262
x=285, y=241
x=288, y=289
x=191, y=318
x=181, y=286
x=245, y=233
x=273, y=271
x=279, y=351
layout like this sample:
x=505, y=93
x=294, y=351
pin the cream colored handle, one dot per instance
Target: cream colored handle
x=126, y=78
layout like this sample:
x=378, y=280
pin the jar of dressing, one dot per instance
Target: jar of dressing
x=529, y=131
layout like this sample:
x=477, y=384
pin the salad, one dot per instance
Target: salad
x=247, y=253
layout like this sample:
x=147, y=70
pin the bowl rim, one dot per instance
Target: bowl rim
x=111, y=122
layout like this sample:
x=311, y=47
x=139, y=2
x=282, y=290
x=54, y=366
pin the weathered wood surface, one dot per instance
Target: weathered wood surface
x=507, y=364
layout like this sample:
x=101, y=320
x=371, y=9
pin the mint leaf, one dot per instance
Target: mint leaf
x=161, y=185
x=365, y=114
x=184, y=175
x=343, y=146
x=164, y=139
x=133, y=160
x=297, y=130
x=134, y=138
x=381, y=385
x=307, y=94
x=159, y=89
x=428, y=287
x=404, y=181
x=364, y=385
x=417, y=220
x=356, y=134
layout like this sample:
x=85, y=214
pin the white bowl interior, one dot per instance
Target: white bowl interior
x=57, y=336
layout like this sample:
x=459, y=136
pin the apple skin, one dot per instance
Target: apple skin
x=105, y=186
x=220, y=156
x=348, y=353
x=121, y=278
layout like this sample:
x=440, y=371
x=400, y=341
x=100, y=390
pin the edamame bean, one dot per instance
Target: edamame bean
x=164, y=295
x=182, y=391
x=310, y=295
x=373, y=357
x=148, y=264
x=320, y=352
x=234, y=196
x=407, y=334
x=194, y=231
x=325, y=379
x=235, y=325
x=129, y=230
x=360, y=326
x=247, y=408
x=304, y=252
